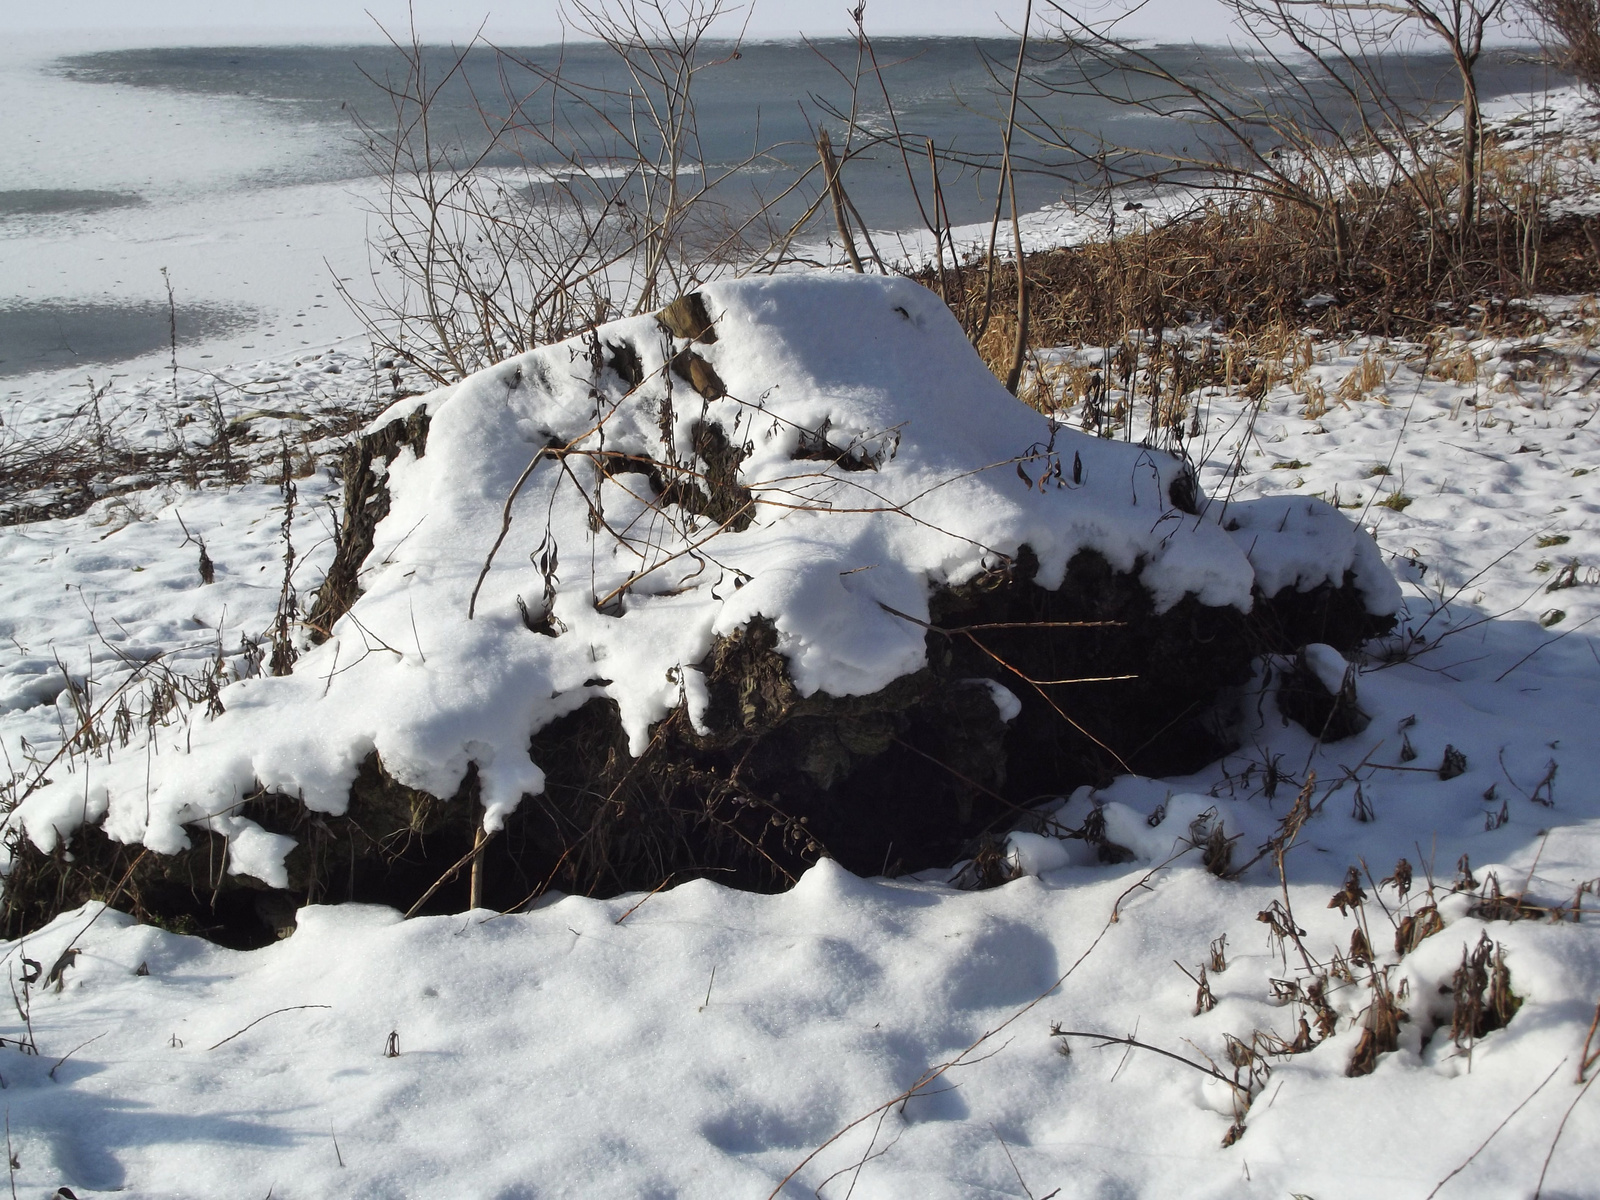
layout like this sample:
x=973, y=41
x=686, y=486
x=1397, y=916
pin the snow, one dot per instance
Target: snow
x=1328, y=665
x=709, y=1042
x=703, y=1041
x=560, y=1052
x=1005, y=701
x=247, y=206
x=435, y=673
x=1299, y=543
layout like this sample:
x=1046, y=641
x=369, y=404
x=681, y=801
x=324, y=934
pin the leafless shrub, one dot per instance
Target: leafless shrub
x=577, y=200
x=1318, y=105
x=1570, y=33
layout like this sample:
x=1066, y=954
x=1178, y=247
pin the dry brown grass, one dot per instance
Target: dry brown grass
x=1249, y=269
x=1380, y=1028
x=1483, y=999
x=1454, y=362
x=1366, y=379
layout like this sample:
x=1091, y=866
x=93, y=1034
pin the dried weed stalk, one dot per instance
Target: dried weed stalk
x=1380, y=1027
x=1483, y=999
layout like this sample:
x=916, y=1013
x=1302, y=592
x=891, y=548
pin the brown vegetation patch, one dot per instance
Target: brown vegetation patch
x=1253, y=266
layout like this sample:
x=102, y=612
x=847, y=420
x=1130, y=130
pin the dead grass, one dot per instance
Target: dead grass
x=1380, y=1027
x=90, y=456
x=1254, y=283
x=1252, y=269
x=1366, y=378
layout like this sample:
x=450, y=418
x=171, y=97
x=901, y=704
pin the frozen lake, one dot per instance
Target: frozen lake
x=237, y=170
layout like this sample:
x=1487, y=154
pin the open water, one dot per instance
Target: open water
x=242, y=170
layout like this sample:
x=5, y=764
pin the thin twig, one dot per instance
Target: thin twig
x=1561, y=1128
x=670, y=877
x=1015, y=1169
x=258, y=1020
x=601, y=603
x=73, y=1051
x=1588, y=1060
x=115, y=892
x=1109, y=1039
x=1038, y=685
x=505, y=528
x=1497, y=1129
x=448, y=876
x=1019, y=347
x=830, y=168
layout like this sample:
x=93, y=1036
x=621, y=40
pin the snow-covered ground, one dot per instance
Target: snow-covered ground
x=883, y=1037
x=709, y=1042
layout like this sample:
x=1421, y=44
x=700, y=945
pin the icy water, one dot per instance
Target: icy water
x=770, y=94
x=240, y=170
x=46, y=334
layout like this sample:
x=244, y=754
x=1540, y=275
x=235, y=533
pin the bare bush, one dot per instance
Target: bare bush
x=577, y=197
x=1317, y=120
x=1570, y=33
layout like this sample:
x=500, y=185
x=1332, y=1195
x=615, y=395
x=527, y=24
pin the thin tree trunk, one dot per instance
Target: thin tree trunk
x=1019, y=348
x=1471, y=150
x=937, y=227
x=1005, y=182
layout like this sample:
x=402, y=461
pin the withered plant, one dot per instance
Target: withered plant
x=1380, y=1026
x=577, y=197
x=1483, y=999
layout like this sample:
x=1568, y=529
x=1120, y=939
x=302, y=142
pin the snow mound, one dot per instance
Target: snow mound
x=1299, y=543
x=819, y=451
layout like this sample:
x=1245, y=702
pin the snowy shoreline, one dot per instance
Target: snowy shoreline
x=531, y=1051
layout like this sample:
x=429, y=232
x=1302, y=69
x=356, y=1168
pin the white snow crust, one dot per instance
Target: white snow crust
x=964, y=476
x=704, y=1042
x=558, y=1053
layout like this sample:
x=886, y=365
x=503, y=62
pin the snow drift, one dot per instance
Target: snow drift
x=818, y=469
